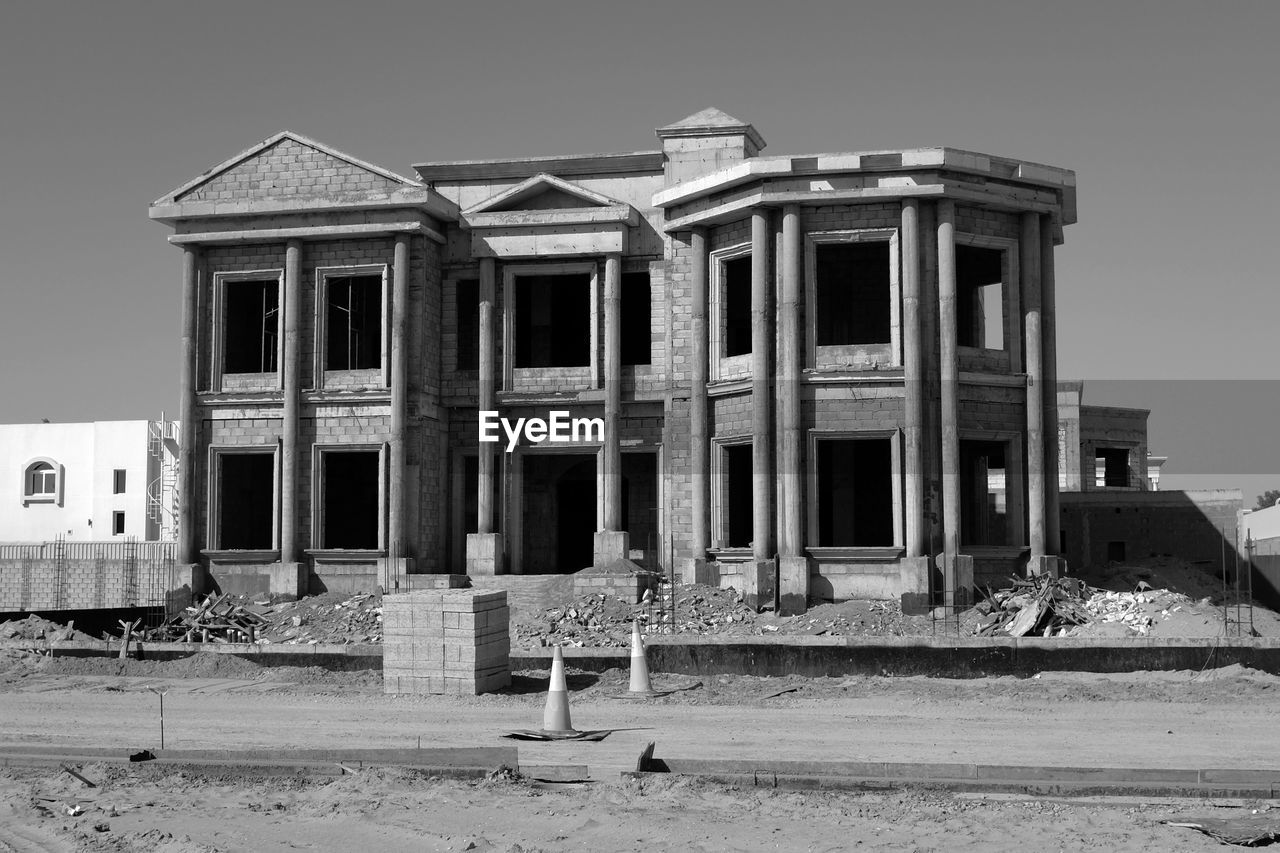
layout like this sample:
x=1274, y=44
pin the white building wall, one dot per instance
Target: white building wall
x=88, y=454
x=1263, y=523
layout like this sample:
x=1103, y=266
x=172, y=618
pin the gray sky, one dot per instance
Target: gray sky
x=1168, y=111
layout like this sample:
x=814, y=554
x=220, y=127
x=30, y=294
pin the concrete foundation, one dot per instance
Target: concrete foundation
x=793, y=585
x=759, y=583
x=913, y=574
x=485, y=554
x=609, y=546
x=1048, y=565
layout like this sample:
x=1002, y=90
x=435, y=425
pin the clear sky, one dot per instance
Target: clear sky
x=1169, y=112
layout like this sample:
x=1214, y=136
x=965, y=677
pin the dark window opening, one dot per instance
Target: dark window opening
x=117, y=481
x=553, y=320
x=979, y=297
x=351, y=507
x=637, y=321
x=558, y=507
x=466, y=301
x=737, y=306
x=246, y=501
x=1114, y=462
x=737, y=491
x=852, y=293
x=41, y=479
x=640, y=507
x=252, y=325
x=471, y=496
x=117, y=523
x=1115, y=552
x=855, y=492
x=354, y=331
x=984, y=493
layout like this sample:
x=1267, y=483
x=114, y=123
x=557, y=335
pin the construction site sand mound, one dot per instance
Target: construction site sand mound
x=35, y=628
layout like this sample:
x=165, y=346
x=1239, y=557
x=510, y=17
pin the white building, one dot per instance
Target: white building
x=94, y=481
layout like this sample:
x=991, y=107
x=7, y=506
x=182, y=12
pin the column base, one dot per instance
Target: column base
x=793, y=585
x=289, y=579
x=759, y=583
x=610, y=546
x=1046, y=565
x=699, y=570
x=485, y=553
x=962, y=595
x=913, y=576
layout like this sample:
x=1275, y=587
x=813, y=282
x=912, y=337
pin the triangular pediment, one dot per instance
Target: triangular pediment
x=288, y=166
x=543, y=192
x=708, y=118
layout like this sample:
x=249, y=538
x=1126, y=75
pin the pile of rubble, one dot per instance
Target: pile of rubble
x=600, y=620
x=1127, y=607
x=328, y=619
x=35, y=628
x=1040, y=606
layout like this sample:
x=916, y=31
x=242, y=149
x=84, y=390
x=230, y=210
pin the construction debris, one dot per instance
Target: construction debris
x=327, y=618
x=1041, y=606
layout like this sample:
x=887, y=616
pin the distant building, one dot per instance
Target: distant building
x=1102, y=447
x=97, y=481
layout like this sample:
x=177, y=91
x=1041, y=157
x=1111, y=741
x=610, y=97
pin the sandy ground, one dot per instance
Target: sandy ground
x=1216, y=718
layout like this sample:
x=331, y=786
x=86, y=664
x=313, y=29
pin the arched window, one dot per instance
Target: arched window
x=42, y=482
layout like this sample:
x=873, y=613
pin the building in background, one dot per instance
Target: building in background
x=98, y=481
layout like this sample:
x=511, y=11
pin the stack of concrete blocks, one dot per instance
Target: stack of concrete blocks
x=446, y=641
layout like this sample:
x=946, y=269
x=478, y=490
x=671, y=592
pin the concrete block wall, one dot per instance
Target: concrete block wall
x=446, y=641
x=289, y=168
x=82, y=584
x=1196, y=526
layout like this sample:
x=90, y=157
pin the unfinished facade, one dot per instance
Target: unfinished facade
x=806, y=367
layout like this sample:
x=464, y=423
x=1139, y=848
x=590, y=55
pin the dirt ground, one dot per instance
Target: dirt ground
x=1213, y=718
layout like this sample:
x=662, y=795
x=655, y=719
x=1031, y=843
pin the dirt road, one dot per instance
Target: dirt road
x=1213, y=719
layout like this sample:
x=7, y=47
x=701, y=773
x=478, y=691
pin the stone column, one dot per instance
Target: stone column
x=291, y=377
x=187, y=552
x=1049, y=356
x=793, y=570
x=1029, y=262
x=914, y=571
x=758, y=574
x=397, y=540
x=696, y=569
x=611, y=543
x=485, y=548
x=949, y=370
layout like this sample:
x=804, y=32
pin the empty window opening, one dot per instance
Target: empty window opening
x=117, y=481
x=252, y=315
x=466, y=301
x=471, y=496
x=637, y=322
x=246, y=503
x=983, y=493
x=1115, y=552
x=855, y=492
x=553, y=320
x=736, y=276
x=852, y=293
x=1112, y=467
x=738, y=519
x=559, y=507
x=351, y=507
x=41, y=480
x=117, y=523
x=354, y=326
x=979, y=297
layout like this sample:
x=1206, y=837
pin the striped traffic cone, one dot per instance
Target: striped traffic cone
x=555, y=717
x=639, y=666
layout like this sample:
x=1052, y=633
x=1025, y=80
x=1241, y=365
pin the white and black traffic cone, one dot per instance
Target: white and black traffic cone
x=555, y=717
x=639, y=665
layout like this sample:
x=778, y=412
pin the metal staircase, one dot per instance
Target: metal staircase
x=162, y=491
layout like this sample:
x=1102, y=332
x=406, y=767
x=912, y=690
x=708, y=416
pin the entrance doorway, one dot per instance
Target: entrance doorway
x=559, y=512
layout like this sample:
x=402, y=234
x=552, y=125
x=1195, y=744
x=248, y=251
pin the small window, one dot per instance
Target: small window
x=117, y=481
x=117, y=523
x=852, y=293
x=353, y=334
x=736, y=299
x=1112, y=467
x=637, y=322
x=466, y=300
x=737, y=491
x=252, y=320
x=40, y=482
x=553, y=320
x=980, y=297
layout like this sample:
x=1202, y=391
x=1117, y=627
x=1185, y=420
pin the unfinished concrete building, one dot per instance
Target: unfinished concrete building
x=806, y=366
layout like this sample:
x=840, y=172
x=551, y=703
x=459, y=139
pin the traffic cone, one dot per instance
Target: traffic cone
x=555, y=717
x=639, y=666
